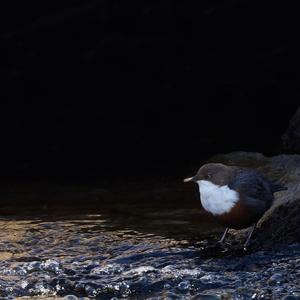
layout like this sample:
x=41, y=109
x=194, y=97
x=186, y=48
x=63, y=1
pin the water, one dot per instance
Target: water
x=150, y=252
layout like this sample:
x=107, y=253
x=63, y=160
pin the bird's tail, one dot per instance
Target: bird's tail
x=277, y=187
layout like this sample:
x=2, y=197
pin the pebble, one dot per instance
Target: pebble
x=276, y=278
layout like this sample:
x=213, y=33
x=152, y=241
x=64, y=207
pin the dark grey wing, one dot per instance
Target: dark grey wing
x=255, y=190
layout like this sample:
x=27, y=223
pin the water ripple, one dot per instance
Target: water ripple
x=83, y=258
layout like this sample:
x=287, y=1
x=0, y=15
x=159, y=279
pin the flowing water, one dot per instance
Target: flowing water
x=156, y=253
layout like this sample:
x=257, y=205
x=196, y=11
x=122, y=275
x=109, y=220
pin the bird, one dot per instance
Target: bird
x=236, y=196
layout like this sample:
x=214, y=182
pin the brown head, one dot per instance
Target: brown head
x=216, y=173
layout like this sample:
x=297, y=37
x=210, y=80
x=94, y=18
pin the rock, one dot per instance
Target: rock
x=291, y=139
x=281, y=223
x=276, y=278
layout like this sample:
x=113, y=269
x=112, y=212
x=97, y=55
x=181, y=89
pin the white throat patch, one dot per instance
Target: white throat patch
x=216, y=199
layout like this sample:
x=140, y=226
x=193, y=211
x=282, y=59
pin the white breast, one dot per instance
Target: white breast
x=216, y=199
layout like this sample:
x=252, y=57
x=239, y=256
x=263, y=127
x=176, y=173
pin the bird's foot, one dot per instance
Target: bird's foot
x=223, y=246
x=246, y=246
x=223, y=243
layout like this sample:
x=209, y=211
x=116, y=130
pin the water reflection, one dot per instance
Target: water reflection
x=110, y=255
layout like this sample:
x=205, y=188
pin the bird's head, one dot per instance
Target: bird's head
x=216, y=173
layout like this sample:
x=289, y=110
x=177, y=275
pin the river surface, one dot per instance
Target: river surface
x=157, y=252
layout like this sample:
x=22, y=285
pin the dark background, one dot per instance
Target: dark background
x=142, y=89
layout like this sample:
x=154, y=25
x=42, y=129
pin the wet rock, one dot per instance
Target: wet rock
x=276, y=278
x=41, y=289
x=51, y=265
x=33, y=266
x=23, y=284
x=91, y=291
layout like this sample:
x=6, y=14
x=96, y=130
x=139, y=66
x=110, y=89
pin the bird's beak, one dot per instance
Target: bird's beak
x=188, y=179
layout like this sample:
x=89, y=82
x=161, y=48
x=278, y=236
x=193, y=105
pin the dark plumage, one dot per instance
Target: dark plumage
x=247, y=194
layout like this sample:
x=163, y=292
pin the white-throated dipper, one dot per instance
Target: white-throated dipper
x=237, y=197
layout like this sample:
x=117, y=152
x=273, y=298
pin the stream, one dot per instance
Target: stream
x=158, y=252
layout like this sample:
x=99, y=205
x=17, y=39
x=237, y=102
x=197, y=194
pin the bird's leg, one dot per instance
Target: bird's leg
x=223, y=236
x=249, y=236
